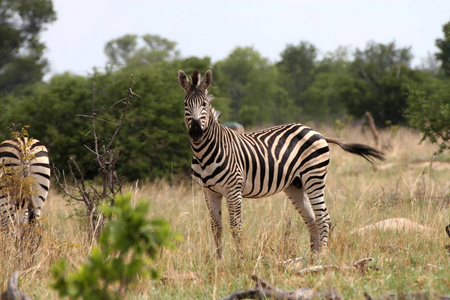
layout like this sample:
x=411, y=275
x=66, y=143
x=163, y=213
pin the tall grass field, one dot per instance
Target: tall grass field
x=409, y=184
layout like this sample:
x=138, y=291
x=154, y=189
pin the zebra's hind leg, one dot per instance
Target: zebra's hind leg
x=303, y=206
x=214, y=204
x=315, y=189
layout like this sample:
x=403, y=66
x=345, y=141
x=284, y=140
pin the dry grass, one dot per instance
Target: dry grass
x=405, y=186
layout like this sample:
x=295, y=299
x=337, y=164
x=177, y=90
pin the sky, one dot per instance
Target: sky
x=75, y=42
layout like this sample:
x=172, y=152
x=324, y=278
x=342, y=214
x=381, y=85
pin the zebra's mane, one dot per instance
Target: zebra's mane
x=196, y=77
x=215, y=112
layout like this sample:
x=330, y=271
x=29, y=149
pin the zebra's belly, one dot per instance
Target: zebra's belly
x=217, y=179
x=251, y=190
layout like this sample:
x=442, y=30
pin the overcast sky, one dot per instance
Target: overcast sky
x=76, y=40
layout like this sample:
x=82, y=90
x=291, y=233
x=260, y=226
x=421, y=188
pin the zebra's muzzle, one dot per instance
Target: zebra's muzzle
x=195, y=132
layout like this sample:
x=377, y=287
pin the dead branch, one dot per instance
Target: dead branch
x=371, y=124
x=106, y=157
x=263, y=290
x=127, y=104
x=316, y=269
x=360, y=265
x=12, y=291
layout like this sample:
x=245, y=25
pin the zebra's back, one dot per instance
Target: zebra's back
x=286, y=153
x=24, y=162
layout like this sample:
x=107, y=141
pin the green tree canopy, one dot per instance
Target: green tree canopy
x=297, y=70
x=322, y=101
x=429, y=111
x=251, y=83
x=133, y=51
x=53, y=112
x=444, y=47
x=21, y=52
x=376, y=84
x=429, y=105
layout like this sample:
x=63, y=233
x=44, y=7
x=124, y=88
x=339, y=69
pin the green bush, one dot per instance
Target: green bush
x=429, y=111
x=127, y=247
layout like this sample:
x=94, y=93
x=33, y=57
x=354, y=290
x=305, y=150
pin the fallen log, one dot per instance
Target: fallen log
x=360, y=265
x=420, y=295
x=263, y=290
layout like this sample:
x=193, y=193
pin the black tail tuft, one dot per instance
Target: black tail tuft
x=362, y=150
x=365, y=151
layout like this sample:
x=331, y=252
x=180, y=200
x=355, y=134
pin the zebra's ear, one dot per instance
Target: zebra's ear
x=183, y=80
x=206, y=80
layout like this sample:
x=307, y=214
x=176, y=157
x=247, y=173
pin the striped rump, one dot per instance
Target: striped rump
x=24, y=180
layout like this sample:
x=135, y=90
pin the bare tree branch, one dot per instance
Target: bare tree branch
x=127, y=104
x=106, y=158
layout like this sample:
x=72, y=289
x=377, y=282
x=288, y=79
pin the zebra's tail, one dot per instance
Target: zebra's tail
x=365, y=151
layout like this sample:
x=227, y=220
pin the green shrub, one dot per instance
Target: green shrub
x=429, y=111
x=127, y=247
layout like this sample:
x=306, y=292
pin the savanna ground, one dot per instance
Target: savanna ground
x=404, y=186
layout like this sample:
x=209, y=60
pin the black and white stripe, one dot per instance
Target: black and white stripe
x=292, y=158
x=24, y=163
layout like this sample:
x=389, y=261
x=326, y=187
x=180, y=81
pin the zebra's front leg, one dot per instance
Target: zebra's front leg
x=214, y=204
x=234, y=202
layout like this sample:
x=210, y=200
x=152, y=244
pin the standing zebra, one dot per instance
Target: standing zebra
x=292, y=158
x=24, y=164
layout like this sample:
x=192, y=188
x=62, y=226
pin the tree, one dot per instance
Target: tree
x=251, y=84
x=429, y=106
x=444, y=46
x=124, y=51
x=21, y=52
x=153, y=142
x=296, y=68
x=120, y=50
x=106, y=156
x=378, y=76
x=429, y=111
x=322, y=101
x=51, y=110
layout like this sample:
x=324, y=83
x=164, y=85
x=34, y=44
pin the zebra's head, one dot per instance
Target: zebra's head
x=197, y=108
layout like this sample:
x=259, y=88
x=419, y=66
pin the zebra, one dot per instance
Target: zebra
x=24, y=163
x=292, y=158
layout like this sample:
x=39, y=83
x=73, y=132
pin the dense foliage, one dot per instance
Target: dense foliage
x=302, y=87
x=429, y=105
x=430, y=112
x=21, y=52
